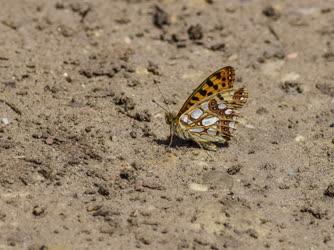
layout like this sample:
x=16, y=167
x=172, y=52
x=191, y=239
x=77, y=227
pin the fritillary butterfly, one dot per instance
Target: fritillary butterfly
x=210, y=114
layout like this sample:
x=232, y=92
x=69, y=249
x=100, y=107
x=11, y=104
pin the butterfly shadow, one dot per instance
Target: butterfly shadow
x=181, y=143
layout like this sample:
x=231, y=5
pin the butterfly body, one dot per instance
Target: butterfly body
x=210, y=113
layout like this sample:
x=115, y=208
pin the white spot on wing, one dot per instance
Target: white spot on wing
x=212, y=131
x=196, y=113
x=231, y=124
x=222, y=106
x=185, y=118
x=209, y=121
x=205, y=106
x=196, y=130
x=228, y=111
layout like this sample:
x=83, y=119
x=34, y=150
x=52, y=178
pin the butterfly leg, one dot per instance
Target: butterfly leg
x=207, y=145
x=171, y=136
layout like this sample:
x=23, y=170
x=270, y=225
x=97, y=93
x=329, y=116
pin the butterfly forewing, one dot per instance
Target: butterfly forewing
x=217, y=82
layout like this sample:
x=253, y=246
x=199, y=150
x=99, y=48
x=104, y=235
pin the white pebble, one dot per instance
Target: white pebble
x=249, y=126
x=198, y=187
x=290, y=77
x=5, y=120
x=127, y=40
x=299, y=138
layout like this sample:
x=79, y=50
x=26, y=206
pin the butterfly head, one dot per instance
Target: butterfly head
x=170, y=118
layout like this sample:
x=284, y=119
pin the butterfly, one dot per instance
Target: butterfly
x=209, y=115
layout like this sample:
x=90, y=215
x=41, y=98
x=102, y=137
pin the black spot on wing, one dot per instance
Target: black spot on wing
x=209, y=83
x=195, y=98
x=218, y=75
x=215, y=87
x=202, y=92
x=220, y=97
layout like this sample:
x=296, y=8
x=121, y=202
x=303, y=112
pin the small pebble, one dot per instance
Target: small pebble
x=198, y=187
x=299, y=138
x=38, y=210
x=293, y=55
x=5, y=120
x=290, y=77
x=49, y=140
x=195, y=32
x=271, y=12
x=249, y=126
x=330, y=191
x=160, y=17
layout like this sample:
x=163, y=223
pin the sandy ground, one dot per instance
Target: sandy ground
x=83, y=150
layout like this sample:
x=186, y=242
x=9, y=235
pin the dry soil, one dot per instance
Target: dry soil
x=84, y=155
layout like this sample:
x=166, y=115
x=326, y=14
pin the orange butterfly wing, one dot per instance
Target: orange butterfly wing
x=217, y=82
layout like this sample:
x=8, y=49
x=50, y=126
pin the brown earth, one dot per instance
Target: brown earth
x=83, y=150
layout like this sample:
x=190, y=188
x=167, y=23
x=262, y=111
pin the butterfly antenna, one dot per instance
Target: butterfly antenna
x=163, y=97
x=160, y=106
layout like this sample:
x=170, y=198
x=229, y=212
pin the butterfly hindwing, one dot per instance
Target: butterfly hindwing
x=214, y=118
